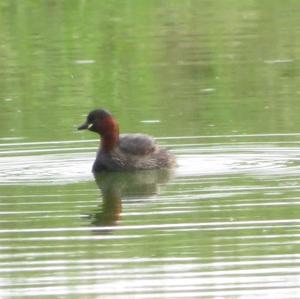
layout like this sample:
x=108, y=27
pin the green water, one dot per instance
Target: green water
x=216, y=82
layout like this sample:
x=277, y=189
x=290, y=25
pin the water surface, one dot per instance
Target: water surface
x=216, y=83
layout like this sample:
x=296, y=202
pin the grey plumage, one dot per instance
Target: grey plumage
x=134, y=151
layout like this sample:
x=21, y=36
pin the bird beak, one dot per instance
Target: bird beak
x=85, y=126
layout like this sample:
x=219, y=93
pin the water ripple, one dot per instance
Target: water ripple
x=225, y=224
x=48, y=165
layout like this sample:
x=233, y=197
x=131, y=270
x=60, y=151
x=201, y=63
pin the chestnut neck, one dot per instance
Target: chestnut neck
x=109, y=132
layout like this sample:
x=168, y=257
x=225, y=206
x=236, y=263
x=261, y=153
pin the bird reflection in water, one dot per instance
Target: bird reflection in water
x=118, y=186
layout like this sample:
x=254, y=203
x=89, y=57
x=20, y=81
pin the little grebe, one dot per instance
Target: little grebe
x=124, y=152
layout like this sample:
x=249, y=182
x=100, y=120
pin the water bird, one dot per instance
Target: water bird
x=126, y=151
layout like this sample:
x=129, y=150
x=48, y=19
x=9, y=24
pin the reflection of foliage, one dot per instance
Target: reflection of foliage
x=206, y=58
